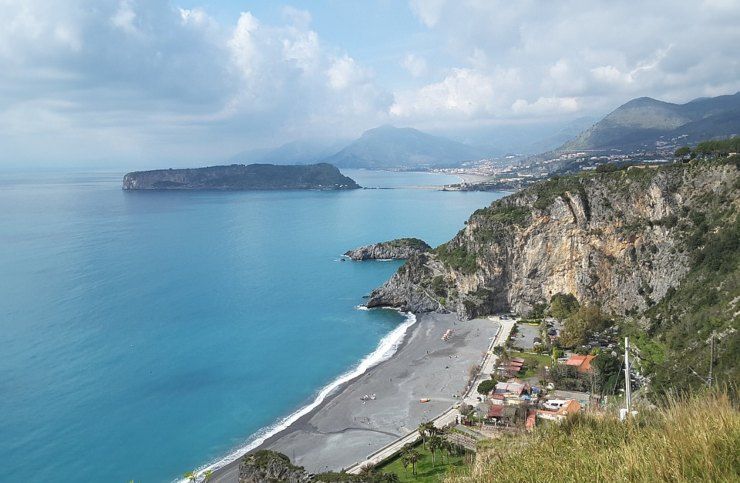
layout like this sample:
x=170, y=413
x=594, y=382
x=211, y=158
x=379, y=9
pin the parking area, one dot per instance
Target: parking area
x=526, y=336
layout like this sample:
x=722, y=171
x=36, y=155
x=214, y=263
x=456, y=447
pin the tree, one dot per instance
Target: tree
x=563, y=305
x=405, y=461
x=568, y=378
x=434, y=443
x=607, y=370
x=413, y=458
x=367, y=469
x=486, y=386
x=191, y=475
x=577, y=327
x=682, y=152
x=207, y=476
x=538, y=311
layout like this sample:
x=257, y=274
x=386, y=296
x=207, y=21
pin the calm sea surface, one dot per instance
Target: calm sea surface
x=146, y=334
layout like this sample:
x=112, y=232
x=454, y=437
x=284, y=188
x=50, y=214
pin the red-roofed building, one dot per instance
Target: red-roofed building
x=581, y=362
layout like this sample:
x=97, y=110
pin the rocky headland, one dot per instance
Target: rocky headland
x=655, y=248
x=320, y=176
x=398, y=249
x=617, y=238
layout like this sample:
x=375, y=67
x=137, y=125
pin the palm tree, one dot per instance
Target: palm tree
x=414, y=458
x=191, y=476
x=434, y=443
x=446, y=448
x=207, y=476
x=405, y=461
x=425, y=430
x=367, y=469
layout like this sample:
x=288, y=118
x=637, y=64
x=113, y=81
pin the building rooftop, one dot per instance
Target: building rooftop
x=580, y=362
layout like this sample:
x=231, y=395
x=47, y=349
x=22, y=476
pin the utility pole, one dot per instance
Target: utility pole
x=711, y=360
x=627, y=384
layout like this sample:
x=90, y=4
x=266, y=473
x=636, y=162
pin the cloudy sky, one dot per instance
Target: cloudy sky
x=184, y=82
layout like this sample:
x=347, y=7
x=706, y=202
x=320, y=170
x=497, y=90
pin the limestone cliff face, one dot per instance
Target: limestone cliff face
x=399, y=249
x=617, y=238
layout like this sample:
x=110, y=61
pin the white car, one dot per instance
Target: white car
x=554, y=404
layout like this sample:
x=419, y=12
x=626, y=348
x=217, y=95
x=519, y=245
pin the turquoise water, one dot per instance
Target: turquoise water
x=146, y=334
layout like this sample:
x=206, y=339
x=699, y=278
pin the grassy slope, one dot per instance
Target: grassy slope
x=695, y=439
x=425, y=472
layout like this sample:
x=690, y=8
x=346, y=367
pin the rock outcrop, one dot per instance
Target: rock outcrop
x=620, y=239
x=267, y=466
x=320, y=176
x=399, y=249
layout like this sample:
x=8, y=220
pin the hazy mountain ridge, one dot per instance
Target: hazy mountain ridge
x=642, y=122
x=389, y=147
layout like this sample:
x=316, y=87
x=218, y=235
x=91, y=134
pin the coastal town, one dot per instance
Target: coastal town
x=522, y=382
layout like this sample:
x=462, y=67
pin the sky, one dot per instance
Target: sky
x=191, y=82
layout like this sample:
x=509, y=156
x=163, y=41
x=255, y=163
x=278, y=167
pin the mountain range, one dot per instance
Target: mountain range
x=389, y=147
x=644, y=122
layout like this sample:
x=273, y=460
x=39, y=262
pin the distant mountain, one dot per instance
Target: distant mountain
x=295, y=152
x=642, y=122
x=389, y=147
x=240, y=177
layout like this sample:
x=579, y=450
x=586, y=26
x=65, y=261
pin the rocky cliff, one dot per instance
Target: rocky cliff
x=241, y=177
x=399, y=249
x=621, y=239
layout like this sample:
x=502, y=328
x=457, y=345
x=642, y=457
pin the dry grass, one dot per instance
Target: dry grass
x=692, y=439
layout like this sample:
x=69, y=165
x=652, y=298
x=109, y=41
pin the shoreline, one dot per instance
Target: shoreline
x=342, y=429
x=387, y=347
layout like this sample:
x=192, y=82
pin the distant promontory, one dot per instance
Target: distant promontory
x=322, y=176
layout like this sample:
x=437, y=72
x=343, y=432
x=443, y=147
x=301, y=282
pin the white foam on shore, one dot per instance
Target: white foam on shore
x=387, y=346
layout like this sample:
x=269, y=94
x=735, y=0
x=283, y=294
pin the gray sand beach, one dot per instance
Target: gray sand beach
x=346, y=429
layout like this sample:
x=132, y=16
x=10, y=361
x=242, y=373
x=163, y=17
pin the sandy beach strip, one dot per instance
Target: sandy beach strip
x=346, y=429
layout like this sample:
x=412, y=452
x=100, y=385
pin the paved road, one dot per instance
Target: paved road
x=489, y=363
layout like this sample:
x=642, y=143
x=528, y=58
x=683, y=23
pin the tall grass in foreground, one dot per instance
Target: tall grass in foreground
x=692, y=439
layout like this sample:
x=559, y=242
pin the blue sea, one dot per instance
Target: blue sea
x=145, y=334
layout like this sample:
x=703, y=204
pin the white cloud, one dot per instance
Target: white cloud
x=546, y=106
x=124, y=17
x=428, y=11
x=415, y=65
x=155, y=74
x=344, y=72
x=242, y=43
x=463, y=92
x=175, y=81
x=579, y=56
